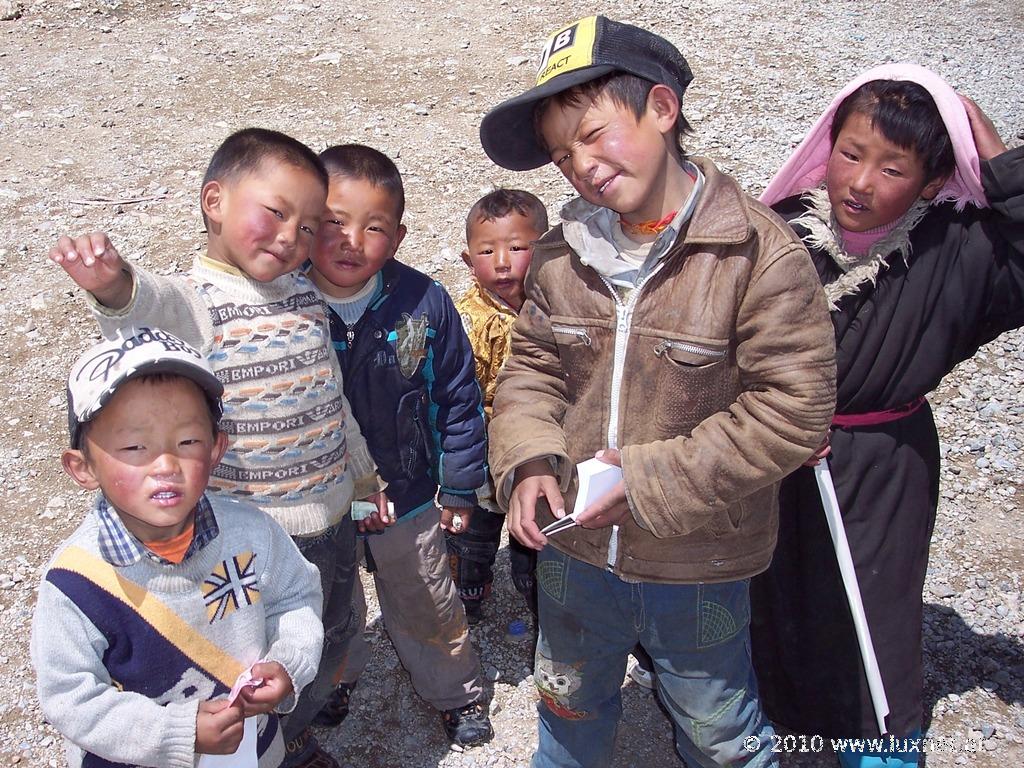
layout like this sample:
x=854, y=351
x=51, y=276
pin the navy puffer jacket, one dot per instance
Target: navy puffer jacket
x=410, y=377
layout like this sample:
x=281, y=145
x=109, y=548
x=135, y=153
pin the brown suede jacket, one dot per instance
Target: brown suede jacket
x=726, y=356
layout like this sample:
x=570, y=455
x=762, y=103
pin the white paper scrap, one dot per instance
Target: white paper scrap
x=596, y=478
x=243, y=757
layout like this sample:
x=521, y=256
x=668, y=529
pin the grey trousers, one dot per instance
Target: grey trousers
x=333, y=552
x=422, y=613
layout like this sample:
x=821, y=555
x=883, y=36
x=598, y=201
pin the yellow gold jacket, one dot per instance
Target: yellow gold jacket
x=488, y=322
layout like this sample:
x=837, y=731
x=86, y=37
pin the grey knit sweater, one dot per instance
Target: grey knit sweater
x=124, y=654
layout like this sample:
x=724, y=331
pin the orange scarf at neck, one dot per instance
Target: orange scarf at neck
x=651, y=227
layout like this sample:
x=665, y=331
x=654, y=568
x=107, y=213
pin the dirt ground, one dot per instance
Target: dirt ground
x=109, y=111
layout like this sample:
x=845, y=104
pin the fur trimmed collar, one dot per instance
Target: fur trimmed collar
x=822, y=234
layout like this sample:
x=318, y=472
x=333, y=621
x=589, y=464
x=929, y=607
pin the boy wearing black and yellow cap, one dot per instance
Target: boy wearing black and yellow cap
x=675, y=327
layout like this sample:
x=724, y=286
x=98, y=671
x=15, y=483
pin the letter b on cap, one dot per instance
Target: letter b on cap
x=568, y=49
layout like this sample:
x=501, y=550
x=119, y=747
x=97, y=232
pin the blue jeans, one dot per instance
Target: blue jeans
x=697, y=636
x=333, y=552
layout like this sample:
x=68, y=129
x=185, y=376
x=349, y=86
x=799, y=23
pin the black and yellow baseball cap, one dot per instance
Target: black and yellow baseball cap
x=582, y=51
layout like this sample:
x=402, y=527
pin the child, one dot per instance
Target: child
x=500, y=230
x=921, y=260
x=264, y=329
x=408, y=371
x=158, y=602
x=674, y=327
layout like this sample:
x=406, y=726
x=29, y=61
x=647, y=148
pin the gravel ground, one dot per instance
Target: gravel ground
x=109, y=111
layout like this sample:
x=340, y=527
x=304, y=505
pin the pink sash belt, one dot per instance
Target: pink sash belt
x=872, y=418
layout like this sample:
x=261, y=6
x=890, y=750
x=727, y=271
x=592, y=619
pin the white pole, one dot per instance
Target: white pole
x=842, y=547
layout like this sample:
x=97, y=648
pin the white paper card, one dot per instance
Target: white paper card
x=830, y=503
x=595, y=480
x=243, y=757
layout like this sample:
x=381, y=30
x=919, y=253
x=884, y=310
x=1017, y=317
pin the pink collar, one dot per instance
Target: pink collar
x=859, y=243
x=805, y=169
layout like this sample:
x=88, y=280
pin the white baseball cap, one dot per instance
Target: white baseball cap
x=98, y=373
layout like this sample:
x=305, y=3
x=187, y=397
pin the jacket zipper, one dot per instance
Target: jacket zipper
x=351, y=330
x=623, y=320
x=665, y=344
x=568, y=330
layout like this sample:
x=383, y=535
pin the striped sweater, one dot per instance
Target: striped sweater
x=294, y=448
x=124, y=654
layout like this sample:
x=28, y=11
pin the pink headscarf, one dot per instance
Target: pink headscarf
x=806, y=167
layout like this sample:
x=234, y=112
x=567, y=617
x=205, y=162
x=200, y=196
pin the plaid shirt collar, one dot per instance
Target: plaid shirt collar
x=120, y=547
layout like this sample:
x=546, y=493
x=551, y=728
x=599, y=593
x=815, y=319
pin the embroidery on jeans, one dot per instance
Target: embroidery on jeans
x=551, y=578
x=717, y=624
x=556, y=683
x=730, y=705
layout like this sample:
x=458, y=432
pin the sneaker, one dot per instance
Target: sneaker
x=468, y=725
x=474, y=611
x=335, y=709
x=642, y=677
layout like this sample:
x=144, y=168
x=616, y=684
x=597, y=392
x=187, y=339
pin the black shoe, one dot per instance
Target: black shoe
x=313, y=755
x=335, y=709
x=468, y=725
x=474, y=611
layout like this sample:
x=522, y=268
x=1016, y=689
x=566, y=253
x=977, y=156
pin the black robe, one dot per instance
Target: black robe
x=895, y=340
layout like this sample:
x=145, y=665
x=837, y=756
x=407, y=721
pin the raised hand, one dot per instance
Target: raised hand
x=986, y=137
x=95, y=265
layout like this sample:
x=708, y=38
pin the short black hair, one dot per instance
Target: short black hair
x=357, y=161
x=501, y=202
x=624, y=89
x=243, y=152
x=213, y=405
x=904, y=113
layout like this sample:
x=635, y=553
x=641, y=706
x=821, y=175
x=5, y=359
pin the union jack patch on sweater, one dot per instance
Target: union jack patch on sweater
x=231, y=585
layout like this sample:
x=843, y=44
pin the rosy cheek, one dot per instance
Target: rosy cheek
x=259, y=225
x=330, y=239
x=125, y=480
x=834, y=167
x=615, y=145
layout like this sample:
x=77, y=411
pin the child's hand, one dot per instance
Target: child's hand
x=93, y=262
x=276, y=685
x=823, y=450
x=219, y=727
x=986, y=137
x=533, y=480
x=380, y=519
x=611, y=508
x=455, y=519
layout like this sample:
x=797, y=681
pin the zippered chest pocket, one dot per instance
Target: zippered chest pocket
x=577, y=351
x=689, y=354
x=571, y=334
x=691, y=382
